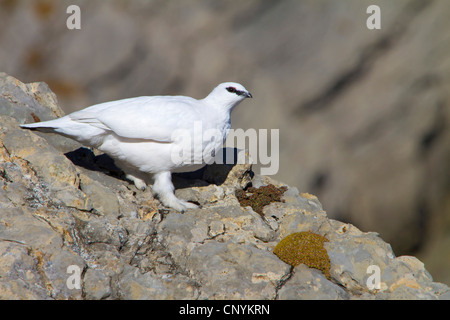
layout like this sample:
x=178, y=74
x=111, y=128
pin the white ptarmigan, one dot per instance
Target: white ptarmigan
x=155, y=135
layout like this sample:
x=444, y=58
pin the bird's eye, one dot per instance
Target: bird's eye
x=231, y=89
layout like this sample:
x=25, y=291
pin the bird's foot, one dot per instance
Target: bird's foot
x=164, y=190
x=177, y=204
x=189, y=205
x=139, y=183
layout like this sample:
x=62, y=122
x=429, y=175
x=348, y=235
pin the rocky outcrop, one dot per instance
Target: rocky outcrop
x=68, y=217
x=375, y=102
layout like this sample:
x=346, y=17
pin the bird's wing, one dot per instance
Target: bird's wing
x=146, y=118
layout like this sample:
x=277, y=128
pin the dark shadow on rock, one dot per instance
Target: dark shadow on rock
x=85, y=158
x=215, y=173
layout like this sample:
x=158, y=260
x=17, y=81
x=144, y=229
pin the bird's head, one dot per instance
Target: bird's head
x=228, y=95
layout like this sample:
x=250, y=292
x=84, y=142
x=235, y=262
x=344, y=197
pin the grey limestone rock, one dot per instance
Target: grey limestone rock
x=363, y=114
x=62, y=206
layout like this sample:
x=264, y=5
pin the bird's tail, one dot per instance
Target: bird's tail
x=45, y=126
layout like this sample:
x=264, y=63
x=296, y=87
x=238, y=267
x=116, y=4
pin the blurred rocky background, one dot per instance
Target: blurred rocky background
x=363, y=114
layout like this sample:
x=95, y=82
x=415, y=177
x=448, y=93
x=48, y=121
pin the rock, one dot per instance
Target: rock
x=27, y=102
x=351, y=256
x=310, y=284
x=406, y=292
x=102, y=198
x=19, y=277
x=53, y=268
x=68, y=217
x=202, y=195
x=340, y=137
x=96, y=285
x=233, y=271
x=136, y=286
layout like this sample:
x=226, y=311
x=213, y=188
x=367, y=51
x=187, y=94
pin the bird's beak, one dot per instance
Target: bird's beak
x=248, y=95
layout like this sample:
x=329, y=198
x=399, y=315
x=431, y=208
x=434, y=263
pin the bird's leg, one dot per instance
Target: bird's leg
x=139, y=183
x=164, y=190
x=138, y=178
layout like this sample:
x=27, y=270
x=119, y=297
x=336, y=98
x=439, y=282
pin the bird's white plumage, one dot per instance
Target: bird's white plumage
x=148, y=118
x=141, y=133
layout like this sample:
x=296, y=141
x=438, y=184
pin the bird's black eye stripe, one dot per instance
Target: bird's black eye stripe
x=233, y=90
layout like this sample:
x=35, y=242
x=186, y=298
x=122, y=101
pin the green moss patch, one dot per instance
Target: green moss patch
x=307, y=248
x=258, y=198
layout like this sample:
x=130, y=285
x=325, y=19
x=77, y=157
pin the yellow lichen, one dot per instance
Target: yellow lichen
x=306, y=248
x=308, y=196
